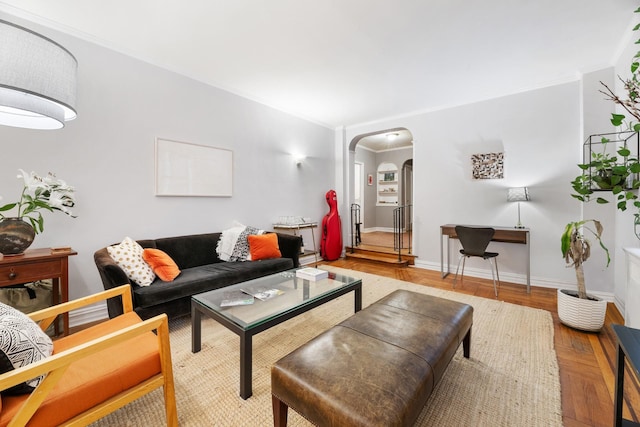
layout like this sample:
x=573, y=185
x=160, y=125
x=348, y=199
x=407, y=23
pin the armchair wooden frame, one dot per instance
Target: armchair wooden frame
x=55, y=366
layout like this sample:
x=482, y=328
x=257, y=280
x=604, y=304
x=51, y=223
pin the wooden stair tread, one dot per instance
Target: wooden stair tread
x=387, y=259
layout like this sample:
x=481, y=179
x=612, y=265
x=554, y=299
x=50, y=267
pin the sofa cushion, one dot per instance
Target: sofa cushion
x=234, y=243
x=161, y=263
x=95, y=378
x=128, y=255
x=196, y=280
x=264, y=246
x=190, y=251
x=21, y=342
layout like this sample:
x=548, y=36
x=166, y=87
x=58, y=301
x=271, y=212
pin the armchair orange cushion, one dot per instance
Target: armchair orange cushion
x=93, y=379
x=263, y=246
x=161, y=264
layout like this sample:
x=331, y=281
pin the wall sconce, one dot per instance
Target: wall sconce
x=37, y=80
x=392, y=136
x=298, y=159
x=518, y=194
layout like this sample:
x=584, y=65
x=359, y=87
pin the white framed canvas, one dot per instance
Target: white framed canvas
x=185, y=169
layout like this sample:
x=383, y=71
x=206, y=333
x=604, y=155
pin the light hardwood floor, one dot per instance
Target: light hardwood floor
x=586, y=360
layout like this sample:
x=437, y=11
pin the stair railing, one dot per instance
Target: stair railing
x=402, y=215
x=356, y=238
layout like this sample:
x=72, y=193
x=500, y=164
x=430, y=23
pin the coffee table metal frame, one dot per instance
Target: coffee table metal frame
x=198, y=308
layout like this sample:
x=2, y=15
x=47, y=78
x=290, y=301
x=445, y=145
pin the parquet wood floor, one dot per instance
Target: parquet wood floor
x=586, y=360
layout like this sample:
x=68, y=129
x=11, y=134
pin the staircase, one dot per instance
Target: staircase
x=380, y=254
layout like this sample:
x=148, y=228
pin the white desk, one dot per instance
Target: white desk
x=502, y=234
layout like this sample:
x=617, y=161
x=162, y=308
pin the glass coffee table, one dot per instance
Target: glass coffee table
x=284, y=296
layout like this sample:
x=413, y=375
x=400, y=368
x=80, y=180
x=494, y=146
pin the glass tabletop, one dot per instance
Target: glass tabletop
x=251, y=303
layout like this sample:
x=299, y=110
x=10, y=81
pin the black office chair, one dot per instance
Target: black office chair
x=474, y=241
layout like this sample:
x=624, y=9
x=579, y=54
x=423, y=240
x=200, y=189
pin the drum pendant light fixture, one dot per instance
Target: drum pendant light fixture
x=37, y=80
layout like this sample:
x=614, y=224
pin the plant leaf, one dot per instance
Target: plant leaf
x=616, y=119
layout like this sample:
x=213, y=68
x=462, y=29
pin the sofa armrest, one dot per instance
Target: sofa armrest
x=112, y=276
x=290, y=246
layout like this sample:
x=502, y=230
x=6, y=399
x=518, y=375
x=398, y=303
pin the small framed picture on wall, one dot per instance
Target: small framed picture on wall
x=369, y=179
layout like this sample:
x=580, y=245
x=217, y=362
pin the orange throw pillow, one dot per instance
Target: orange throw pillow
x=161, y=264
x=263, y=246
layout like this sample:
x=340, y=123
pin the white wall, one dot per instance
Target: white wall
x=107, y=153
x=540, y=134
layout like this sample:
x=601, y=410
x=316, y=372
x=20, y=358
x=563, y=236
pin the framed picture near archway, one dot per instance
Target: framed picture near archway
x=369, y=179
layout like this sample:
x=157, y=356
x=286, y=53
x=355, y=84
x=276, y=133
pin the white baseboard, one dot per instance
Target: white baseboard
x=374, y=229
x=517, y=278
x=93, y=313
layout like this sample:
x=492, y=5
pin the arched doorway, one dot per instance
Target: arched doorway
x=385, y=163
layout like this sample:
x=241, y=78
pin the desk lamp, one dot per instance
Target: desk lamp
x=518, y=194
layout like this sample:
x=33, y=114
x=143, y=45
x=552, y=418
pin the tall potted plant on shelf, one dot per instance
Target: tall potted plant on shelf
x=579, y=309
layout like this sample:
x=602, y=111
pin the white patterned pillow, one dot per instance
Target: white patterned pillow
x=21, y=342
x=233, y=244
x=128, y=256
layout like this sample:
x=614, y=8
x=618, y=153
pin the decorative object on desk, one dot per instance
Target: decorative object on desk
x=38, y=84
x=578, y=309
x=518, y=194
x=49, y=193
x=487, y=166
x=313, y=274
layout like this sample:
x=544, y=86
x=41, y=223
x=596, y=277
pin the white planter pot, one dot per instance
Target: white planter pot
x=583, y=314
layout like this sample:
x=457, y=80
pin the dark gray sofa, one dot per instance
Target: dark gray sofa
x=201, y=271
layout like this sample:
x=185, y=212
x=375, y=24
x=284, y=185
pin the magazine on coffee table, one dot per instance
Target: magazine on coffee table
x=233, y=298
x=263, y=294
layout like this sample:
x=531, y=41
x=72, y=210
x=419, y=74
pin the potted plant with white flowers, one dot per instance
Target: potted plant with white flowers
x=38, y=193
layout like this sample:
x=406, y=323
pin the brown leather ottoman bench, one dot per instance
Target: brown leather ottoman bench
x=376, y=368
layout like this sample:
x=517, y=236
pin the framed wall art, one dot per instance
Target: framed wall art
x=487, y=166
x=185, y=169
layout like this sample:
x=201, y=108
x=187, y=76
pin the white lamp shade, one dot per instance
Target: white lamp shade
x=518, y=194
x=37, y=80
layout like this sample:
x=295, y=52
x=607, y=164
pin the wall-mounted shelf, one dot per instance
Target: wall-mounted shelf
x=599, y=147
x=387, y=185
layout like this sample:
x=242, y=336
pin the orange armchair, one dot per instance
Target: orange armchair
x=95, y=371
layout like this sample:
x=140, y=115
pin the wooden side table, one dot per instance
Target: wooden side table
x=40, y=264
x=629, y=349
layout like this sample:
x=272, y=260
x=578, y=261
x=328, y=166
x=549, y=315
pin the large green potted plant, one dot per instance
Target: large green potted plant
x=578, y=309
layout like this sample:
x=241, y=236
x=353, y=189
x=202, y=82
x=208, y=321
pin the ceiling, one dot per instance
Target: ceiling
x=346, y=62
x=392, y=139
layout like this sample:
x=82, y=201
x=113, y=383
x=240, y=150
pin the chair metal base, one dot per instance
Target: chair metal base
x=492, y=261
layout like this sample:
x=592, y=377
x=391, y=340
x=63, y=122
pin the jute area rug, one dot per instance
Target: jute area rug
x=510, y=380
